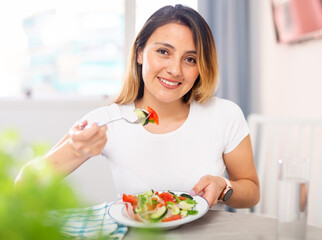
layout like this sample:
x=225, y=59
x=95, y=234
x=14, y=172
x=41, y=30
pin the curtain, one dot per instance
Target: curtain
x=229, y=22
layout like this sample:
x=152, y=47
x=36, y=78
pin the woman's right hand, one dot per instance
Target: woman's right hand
x=87, y=141
x=78, y=145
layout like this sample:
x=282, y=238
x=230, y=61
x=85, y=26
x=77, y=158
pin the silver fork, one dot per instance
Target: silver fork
x=138, y=121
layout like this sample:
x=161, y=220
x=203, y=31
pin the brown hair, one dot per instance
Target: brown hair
x=206, y=83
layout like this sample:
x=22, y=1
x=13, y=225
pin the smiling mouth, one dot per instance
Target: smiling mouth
x=169, y=83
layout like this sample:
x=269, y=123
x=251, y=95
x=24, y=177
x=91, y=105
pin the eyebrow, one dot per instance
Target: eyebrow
x=172, y=47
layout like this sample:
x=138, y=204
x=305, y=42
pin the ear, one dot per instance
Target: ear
x=140, y=57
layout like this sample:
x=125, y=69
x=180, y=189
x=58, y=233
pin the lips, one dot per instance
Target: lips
x=169, y=84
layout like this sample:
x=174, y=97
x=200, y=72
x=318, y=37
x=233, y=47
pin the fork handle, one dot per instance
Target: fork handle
x=110, y=121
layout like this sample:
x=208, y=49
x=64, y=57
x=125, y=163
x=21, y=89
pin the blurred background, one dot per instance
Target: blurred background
x=60, y=59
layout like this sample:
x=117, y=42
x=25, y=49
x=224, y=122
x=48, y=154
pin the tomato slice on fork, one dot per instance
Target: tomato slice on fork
x=153, y=116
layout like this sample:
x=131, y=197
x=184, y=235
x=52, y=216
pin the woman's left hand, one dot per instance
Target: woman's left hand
x=210, y=188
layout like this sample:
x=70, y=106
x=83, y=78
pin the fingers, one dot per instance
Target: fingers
x=82, y=134
x=202, y=184
x=89, y=141
x=82, y=124
x=210, y=196
x=209, y=187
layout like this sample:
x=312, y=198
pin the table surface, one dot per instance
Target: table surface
x=219, y=224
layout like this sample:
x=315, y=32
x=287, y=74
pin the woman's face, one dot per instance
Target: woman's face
x=169, y=67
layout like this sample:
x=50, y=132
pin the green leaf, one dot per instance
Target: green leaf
x=190, y=201
x=192, y=212
x=24, y=211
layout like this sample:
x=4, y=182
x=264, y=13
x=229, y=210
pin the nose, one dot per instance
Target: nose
x=174, y=67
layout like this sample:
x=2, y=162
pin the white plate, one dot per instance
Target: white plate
x=117, y=211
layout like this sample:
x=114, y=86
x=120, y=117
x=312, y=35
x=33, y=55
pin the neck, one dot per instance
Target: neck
x=171, y=115
x=165, y=110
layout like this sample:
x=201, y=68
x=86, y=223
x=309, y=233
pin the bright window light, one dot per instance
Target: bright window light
x=67, y=47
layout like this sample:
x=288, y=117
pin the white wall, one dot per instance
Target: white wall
x=287, y=79
x=289, y=76
x=48, y=121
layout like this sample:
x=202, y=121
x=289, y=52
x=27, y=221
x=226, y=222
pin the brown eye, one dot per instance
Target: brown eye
x=191, y=60
x=162, y=51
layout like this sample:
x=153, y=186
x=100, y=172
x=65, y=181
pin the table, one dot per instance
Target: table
x=222, y=225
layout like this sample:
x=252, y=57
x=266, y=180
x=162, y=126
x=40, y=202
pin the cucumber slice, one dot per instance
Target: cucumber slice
x=149, y=193
x=159, y=213
x=174, y=210
x=184, y=213
x=146, y=122
x=186, y=195
x=185, y=206
x=171, y=193
x=141, y=115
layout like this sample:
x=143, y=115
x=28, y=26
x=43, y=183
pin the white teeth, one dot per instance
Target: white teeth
x=169, y=83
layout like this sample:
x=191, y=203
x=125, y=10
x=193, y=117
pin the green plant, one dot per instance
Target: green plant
x=24, y=212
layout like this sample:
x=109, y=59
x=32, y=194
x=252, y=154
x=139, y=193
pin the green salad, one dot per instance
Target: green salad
x=159, y=206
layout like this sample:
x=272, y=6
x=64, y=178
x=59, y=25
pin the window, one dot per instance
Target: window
x=68, y=47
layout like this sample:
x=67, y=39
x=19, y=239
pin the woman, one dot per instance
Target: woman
x=173, y=69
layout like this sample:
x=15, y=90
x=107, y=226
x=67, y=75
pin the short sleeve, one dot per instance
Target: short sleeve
x=236, y=128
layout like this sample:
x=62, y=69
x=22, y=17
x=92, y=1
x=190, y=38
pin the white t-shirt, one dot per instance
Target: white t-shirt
x=176, y=160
